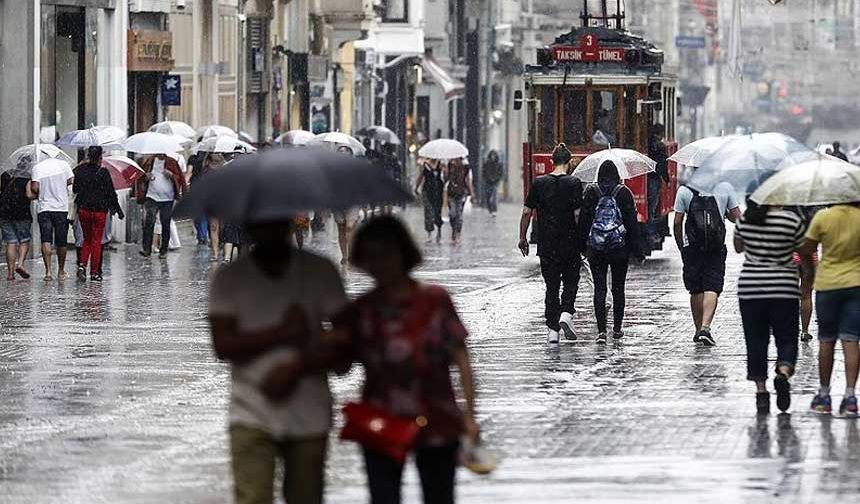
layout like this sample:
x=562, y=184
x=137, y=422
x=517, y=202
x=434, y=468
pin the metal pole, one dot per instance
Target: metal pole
x=37, y=74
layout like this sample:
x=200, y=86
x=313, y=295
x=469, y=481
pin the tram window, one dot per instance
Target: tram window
x=630, y=117
x=546, y=119
x=574, y=111
x=604, y=108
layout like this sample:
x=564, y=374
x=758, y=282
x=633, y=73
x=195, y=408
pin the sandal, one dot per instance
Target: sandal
x=22, y=272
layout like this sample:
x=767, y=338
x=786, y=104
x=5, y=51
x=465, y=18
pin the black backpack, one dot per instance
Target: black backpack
x=705, y=228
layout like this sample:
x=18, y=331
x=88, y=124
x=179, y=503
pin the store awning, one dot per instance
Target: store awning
x=453, y=87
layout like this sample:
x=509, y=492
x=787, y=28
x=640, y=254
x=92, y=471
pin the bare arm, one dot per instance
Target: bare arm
x=734, y=214
x=469, y=184
x=33, y=190
x=233, y=345
x=419, y=181
x=739, y=244
x=467, y=382
x=525, y=220
x=678, y=230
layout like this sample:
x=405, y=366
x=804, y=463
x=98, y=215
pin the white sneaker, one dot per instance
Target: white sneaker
x=566, y=323
x=552, y=337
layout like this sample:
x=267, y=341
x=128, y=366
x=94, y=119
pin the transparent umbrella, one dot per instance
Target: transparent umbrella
x=97, y=136
x=630, y=164
x=443, y=148
x=338, y=139
x=380, y=134
x=20, y=163
x=295, y=137
x=174, y=128
x=744, y=161
x=215, y=130
x=224, y=144
x=155, y=143
x=823, y=181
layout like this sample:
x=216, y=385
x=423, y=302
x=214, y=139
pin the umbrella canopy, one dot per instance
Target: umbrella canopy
x=215, y=130
x=50, y=168
x=443, y=148
x=280, y=183
x=295, y=137
x=20, y=163
x=744, y=161
x=337, y=139
x=823, y=181
x=154, y=143
x=224, y=144
x=178, y=128
x=694, y=153
x=97, y=136
x=245, y=137
x=123, y=171
x=380, y=134
x=630, y=164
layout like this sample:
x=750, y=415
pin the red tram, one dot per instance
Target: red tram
x=600, y=86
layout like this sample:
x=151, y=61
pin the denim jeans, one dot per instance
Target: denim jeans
x=201, y=226
x=838, y=314
x=165, y=211
x=761, y=317
x=491, y=197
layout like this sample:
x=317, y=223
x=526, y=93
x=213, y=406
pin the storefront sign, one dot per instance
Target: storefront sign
x=589, y=51
x=150, y=51
x=171, y=91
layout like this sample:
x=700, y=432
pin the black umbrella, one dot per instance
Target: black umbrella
x=380, y=134
x=278, y=184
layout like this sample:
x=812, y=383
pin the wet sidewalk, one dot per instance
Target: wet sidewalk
x=111, y=393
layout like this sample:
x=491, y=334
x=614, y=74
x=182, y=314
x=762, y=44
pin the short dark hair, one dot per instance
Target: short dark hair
x=390, y=230
x=94, y=153
x=561, y=155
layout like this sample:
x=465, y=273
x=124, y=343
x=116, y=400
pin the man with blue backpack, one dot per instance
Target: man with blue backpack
x=555, y=200
x=701, y=238
x=609, y=228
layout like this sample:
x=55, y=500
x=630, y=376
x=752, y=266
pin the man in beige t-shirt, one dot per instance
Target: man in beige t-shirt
x=266, y=311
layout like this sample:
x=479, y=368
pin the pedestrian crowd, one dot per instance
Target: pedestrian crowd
x=597, y=223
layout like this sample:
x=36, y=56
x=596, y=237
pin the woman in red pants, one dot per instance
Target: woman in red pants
x=95, y=198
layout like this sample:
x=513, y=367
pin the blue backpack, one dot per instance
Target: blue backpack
x=607, y=231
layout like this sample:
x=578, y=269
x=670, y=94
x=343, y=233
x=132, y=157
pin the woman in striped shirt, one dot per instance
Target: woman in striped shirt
x=769, y=295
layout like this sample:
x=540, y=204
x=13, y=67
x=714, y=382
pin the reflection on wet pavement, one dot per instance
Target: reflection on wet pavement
x=111, y=393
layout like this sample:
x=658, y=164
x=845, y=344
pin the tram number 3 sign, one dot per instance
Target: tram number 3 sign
x=589, y=51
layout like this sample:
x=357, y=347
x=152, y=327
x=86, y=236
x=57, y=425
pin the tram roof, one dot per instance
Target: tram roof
x=604, y=79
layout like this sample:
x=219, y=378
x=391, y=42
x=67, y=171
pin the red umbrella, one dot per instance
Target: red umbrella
x=123, y=171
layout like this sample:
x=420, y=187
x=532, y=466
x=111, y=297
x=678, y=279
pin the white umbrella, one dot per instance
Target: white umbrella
x=245, y=137
x=694, y=153
x=224, y=144
x=28, y=155
x=338, y=139
x=823, y=181
x=296, y=137
x=97, y=136
x=443, y=148
x=630, y=164
x=215, y=130
x=174, y=128
x=50, y=168
x=154, y=143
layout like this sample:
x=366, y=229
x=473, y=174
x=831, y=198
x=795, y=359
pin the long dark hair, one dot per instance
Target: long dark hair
x=755, y=213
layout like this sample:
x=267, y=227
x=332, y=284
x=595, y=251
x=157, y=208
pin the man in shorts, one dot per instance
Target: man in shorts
x=704, y=270
x=15, y=222
x=50, y=186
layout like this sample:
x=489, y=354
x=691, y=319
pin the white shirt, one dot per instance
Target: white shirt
x=53, y=190
x=161, y=186
x=241, y=290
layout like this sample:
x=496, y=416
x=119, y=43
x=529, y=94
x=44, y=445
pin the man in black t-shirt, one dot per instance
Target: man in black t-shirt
x=555, y=199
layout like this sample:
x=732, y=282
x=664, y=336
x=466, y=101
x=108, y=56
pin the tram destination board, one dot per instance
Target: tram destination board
x=588, y=51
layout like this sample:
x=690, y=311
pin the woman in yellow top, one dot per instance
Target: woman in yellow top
x=837, y=300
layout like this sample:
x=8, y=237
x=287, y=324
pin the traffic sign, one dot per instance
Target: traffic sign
x=171, y=90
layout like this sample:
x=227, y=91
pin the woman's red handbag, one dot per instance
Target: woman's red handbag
x=380, y=431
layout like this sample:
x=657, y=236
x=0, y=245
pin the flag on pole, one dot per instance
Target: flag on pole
x=735, y=56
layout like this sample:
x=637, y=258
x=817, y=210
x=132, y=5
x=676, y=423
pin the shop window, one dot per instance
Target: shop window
x=574, y=110
x=630, y=117
x=395, y=11
x=604, y=120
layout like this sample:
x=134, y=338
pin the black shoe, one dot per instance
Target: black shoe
x=806, y=337
x=706, y=338
x=783, y=392
x=162, y=255
x=696, y=337
x=145, y=254
x=96, y=278
x=601, y=338
x=762, y=403
x=617, y=335
x=82, y=273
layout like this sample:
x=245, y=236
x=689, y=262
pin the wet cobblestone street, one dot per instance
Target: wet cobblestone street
x=111, y=393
